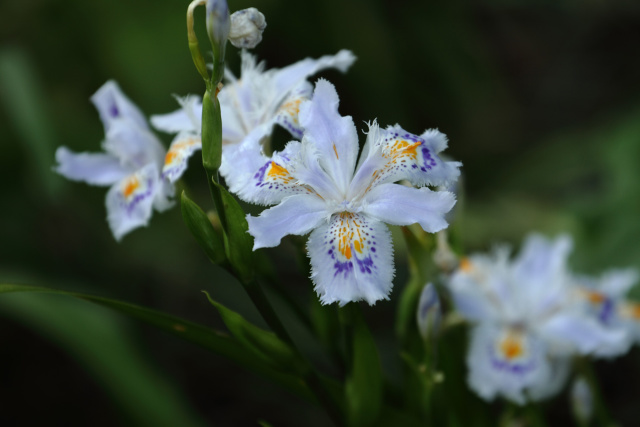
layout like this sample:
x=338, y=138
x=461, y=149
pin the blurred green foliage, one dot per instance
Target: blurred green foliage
x=540, y=101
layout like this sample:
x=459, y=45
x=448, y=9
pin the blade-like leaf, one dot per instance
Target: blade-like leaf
x=214, y=341
x=363, y=389
x=199, y=225
x=96, y=338
x=263, y=343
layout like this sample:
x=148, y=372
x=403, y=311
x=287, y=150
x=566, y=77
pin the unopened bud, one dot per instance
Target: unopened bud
x=582, y=400
x=218, y=24
x=247, y=26
x=429, y=314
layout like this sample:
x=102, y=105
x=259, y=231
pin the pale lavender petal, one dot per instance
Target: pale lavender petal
x=507, y=363
x=616, y=283
x=133, y=145
x=254, y=177
x=177, y=158
x=289, y=77
x=186, y=119
x=351, y=259
x=400, y=205
x=287, y=115
x=112, y=104
x=334, y=136
x=130, y=201
x=92, y=168
x=414, y=158
x=542, y=259
x=296, y=215
x=572, y=332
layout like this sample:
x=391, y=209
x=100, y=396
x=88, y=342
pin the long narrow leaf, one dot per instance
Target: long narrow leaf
x=217, y=342
x=96, y=338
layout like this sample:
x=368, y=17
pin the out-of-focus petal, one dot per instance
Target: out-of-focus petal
x=112, y=104
x=187, y=119
x=288, y=112
x=163, y=199
x=289, y=77
x=92, y=168
x=616, y=283
x=133, y=145
x=351, y=259
x=576, y=332
x=469, y=291
x=130, y=201
x=506, y=362
x=176, y=159
x=296, y=215
x=541, y=259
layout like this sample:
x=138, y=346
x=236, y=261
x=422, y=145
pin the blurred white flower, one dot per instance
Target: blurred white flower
x=528, y=321
x=130, y=164
x=606, y=301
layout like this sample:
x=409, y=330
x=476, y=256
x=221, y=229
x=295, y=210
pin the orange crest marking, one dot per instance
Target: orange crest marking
x=594, y=297
x=292, y=108
x=131, y=186
x=277, y=172
x=465, y=265
x=349, y=232
x=511, y=346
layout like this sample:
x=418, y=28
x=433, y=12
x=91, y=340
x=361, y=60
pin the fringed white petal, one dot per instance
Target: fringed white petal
x=351, y=259
x=177, y=158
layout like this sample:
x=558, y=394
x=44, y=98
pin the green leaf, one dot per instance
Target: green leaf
x=199, y=225
x=363, y=390
x=101, y=344
x=238, y=241
x=263, y=343
x=212, y=340
x=25, y=101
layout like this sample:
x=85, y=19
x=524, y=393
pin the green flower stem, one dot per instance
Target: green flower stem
x=421, y=267
x=238, y=253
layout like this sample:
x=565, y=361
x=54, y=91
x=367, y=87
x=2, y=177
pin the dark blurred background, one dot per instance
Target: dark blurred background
x=540, y=100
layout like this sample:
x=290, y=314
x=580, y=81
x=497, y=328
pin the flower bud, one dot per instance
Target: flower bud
x=429, y=315
x=582, y=400
x=247, y=26
x=218, y=24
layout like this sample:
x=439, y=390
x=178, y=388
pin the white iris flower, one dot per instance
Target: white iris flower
x=606, y=297
x=250, y=106
x=318, y=188
x=130, y=164
x=528, y=321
